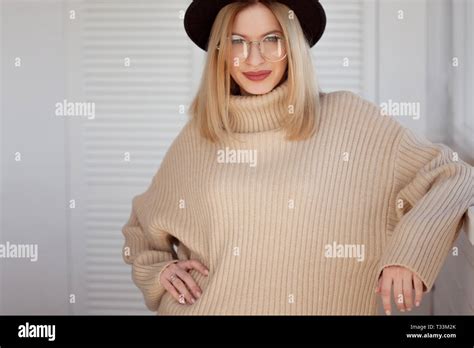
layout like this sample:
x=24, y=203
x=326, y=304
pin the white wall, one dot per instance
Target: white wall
x=437, y=64
x=454, y=292
x=402, y=56
x=33, y=190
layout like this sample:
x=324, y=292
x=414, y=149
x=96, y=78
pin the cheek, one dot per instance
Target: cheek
x=233, y=68
x=280, y=68
x=283, y=64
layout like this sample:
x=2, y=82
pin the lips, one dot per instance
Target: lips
x=257, y=75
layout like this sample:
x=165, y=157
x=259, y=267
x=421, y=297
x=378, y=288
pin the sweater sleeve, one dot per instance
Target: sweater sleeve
x=433, y=190
x=148, y=257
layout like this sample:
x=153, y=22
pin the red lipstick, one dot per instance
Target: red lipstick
x=257, y=75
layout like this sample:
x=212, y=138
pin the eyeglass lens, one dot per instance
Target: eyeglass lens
x=272, y=47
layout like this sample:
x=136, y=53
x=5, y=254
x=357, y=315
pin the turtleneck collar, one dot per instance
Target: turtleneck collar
x=259, y=113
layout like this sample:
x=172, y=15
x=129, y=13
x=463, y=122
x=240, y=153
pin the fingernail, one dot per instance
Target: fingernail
x=402, y=310
x=207, y=272
x=409, y=309
x=193, y=300
x=199, y=294
x=417, y=304
x=387, y=312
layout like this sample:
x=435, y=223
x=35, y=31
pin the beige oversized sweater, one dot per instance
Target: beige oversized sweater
x=297, y=228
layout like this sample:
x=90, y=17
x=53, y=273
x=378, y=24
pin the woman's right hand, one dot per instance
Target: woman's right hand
x=179, y=283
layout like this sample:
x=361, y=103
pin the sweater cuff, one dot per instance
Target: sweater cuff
x=420, y=251
x=147, y=279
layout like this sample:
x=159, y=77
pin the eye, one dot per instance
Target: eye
x=272, y=38
x=237, y=40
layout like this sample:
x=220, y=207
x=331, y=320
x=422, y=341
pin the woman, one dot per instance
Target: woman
x=284, y=200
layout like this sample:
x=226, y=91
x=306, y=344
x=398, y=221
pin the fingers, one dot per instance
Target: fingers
x=386, y=292
x=398, y=292
x=182, y=289
x=404, y=281
x=407, y=282
x=379, y=285
x=189, y=282
x=418, y=284
x=195, y=264
x=182, y=285
x=169, y=279
x=172, y=290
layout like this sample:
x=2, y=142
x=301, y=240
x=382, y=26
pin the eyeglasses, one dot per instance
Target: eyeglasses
x=271, y=47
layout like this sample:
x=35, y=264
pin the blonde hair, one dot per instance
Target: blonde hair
x=210, y=106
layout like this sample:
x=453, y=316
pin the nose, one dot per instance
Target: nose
x=255, y=56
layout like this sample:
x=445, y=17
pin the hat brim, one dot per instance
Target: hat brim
x=200, y=16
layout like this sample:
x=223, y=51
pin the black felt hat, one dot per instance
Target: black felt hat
x=201, y=14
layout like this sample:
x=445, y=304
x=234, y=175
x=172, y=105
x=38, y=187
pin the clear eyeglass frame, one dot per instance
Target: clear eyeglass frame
x=260, y=49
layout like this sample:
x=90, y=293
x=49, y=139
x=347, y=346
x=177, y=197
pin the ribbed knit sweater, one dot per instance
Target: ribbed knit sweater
x=297, y=228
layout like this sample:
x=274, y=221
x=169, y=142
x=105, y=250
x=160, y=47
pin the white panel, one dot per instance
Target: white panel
x=469, y=76
x=343, y=38
x=462, y=86
x=137, y=111
x=403, y=53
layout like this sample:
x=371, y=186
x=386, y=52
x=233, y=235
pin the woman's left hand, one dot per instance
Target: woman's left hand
x=404, y=281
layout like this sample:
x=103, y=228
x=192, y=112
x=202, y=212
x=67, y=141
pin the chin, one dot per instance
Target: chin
x=258, y=88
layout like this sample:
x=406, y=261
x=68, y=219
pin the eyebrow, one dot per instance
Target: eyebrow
x=270, y=32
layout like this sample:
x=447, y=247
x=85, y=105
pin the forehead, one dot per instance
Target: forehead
x=255, y=21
